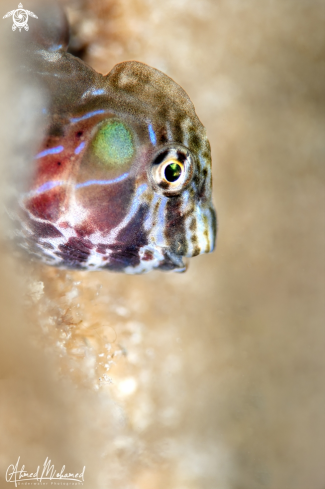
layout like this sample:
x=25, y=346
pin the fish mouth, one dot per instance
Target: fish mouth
x=173, y=262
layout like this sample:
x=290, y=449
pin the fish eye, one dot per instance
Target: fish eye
x=172, y=170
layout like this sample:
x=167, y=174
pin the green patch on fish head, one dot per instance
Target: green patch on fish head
x=113, y=144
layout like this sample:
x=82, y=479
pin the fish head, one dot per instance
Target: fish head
x=172, y=209
x=123, y=180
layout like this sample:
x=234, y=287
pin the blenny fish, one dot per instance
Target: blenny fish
x=122, y=180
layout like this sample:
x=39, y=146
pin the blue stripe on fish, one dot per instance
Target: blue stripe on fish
x=152, y=135
x=102, y=182
x=87, y=116
x=100, y=91
x=50, y=185
x=79, y=148
x=47, y=186
x=50, y=151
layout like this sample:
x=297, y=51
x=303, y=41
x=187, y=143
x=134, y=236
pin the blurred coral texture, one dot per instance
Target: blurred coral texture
x=212, y=379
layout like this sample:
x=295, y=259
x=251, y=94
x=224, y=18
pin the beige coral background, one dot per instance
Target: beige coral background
x=213, y=379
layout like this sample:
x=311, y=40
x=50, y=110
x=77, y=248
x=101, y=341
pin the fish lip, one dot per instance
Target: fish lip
x=180, y=262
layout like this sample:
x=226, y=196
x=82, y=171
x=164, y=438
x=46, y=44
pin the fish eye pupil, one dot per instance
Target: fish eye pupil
x=173, y=172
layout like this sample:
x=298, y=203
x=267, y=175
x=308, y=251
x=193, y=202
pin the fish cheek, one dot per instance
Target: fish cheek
x=104, y=186
x=106, y=205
